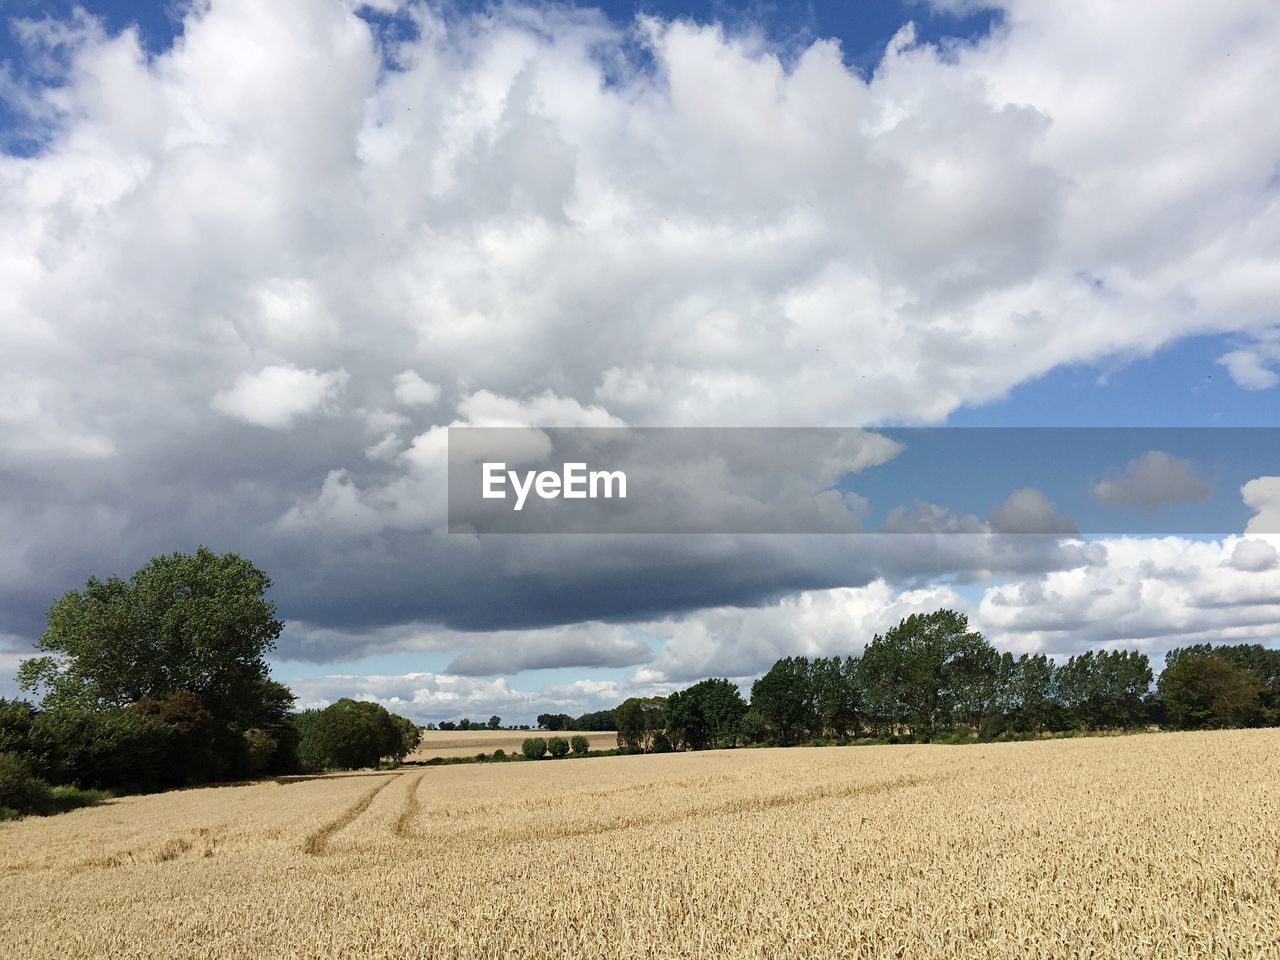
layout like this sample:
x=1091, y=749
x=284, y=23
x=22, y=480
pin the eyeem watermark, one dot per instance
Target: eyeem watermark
x=573, y=482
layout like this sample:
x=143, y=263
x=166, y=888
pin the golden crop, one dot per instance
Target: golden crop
x=1164, y=845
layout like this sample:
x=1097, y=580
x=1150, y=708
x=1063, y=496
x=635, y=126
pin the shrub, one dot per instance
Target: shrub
x=558, y=747
x=259, y=749
x=20, y=790
x=581, y=745
x=534, y=748
x=499, y=754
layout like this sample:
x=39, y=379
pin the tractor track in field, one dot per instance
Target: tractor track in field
x=318, y=842
x=409, y=812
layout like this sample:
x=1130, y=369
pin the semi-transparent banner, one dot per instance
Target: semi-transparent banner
x=1060, y=481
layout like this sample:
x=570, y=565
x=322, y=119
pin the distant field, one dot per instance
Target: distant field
x=1151, y=846
x=467, y=743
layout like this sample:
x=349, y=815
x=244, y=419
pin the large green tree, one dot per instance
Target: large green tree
x=929, y=672
x=705, y=715
x=640, y=722
x=785, y=699
x=184, y=622
x=1205, y=690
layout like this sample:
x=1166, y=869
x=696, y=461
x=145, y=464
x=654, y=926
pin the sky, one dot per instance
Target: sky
x=257, y=258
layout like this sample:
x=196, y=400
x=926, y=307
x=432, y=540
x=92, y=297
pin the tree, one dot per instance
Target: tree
x=596, y=720
x=1202, y=691
x=495, y=722
x=927, y=673
x=784, y=698
x=410, y=736
x=836, y=695
x=1105, y=690
x=534, y=748
x=196, y=622
x=581, y=745
x=705, y=715
x=554, y=721
x=350, y=734
x=640, y=719
x=558, y=747
x=1262, y=663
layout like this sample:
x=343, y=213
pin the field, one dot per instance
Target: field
x=1159, y=845
x=467, y=743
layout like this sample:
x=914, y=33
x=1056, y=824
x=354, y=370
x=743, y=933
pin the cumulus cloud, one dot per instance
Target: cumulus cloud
x=1253, y=556
x=1028, y=510
x=1250, y=370
x=413, y=391
x=276, y=396
x=1148, y=594
x=1253, y=368
x=1263, y=496
x=1151, y=481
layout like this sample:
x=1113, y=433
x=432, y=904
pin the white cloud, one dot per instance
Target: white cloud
x=412, y=391
x=1252, y=368
x=1151, y=481
x=277, y=396
x=1249, y=369
x=1253, y=556
x=1263, y=495
x=428, y=697
x=1149, y=594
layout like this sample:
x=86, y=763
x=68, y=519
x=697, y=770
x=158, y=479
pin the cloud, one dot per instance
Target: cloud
x=431, y=697
x=580, y=645
x=276, y=396
x=1253, y=556
x=1148, y=594
x=412, y=390
x=1152, y=481
x=1028, y=510
x=1251, y=368
x=1263, y=496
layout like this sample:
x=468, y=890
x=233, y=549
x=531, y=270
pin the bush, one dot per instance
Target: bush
x=20, y=790
x=69, y=798
x=534, y=748
x=259, y=749
x=558, y=747
x=581, y=745
x=499, y=754
x=118, y=749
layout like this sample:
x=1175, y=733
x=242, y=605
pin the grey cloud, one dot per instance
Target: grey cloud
x=582, y=645
x=1151, y=481
x=1028, y=510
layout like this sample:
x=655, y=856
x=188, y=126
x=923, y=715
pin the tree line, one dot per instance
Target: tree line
x=932, y=678
x=161, y=681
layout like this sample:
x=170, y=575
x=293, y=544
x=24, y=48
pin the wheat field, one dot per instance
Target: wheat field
x=1160, y=845
x=467, y=743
